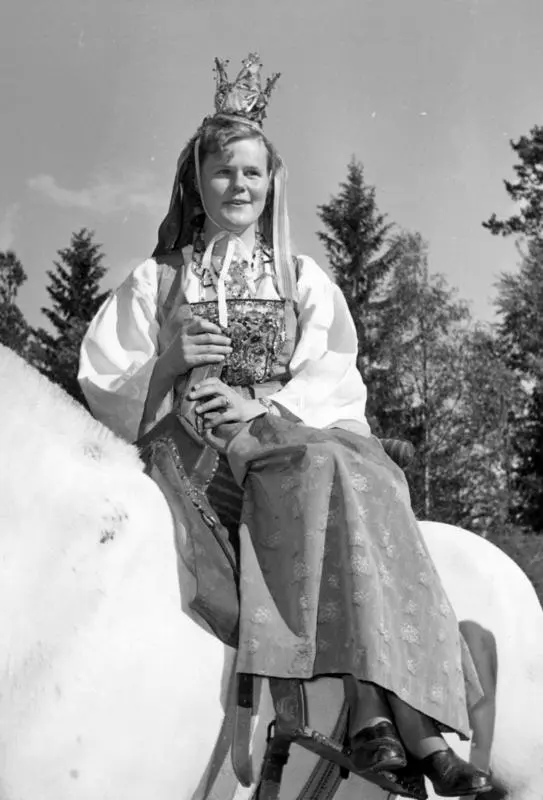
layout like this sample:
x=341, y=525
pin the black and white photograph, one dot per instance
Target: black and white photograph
x=271, y=400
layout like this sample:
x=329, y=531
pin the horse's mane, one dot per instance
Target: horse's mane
x=35, y=412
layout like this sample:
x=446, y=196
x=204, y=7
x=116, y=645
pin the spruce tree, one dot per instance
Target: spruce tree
x=520, y=329
x=527, y=190
x=14, y=330
x=74, y=289
x=361, y=253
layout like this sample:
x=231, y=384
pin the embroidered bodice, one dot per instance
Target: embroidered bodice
x=262, y=338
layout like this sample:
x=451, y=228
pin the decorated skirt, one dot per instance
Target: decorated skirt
x=335, y=575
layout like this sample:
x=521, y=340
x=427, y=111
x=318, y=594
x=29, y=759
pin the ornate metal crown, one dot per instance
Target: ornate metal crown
x=244, y=97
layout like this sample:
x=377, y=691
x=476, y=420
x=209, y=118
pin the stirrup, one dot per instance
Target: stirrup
x=291, y=727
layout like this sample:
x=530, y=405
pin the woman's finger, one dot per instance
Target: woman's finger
x=200, y=325
x=200, y=359
x=214, y=420
x=219, y=402
x=206, y=389
x=207, y=339
x=216, y=383
x=223, y=349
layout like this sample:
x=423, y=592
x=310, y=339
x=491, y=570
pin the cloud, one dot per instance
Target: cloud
x=8, y=226
x=104, y=196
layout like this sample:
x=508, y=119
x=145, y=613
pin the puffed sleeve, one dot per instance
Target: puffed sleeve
x=119, y=352
x=326, y=386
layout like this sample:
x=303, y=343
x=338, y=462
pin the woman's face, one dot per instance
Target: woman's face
x=235, y=184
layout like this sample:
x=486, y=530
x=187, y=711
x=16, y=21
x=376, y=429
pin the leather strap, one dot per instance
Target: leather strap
x=241, y=739
x=289, y=702
x=275, y=759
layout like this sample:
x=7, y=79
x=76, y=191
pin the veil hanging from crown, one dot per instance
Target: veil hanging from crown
x=245, y=101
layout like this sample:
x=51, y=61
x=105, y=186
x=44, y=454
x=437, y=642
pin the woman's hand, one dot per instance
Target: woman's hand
x=197, y=343
x=223, y=405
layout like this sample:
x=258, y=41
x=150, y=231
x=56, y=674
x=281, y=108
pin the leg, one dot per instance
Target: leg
x=450, y=775
x=368, y=705
x=419, y=733
x=373, y=738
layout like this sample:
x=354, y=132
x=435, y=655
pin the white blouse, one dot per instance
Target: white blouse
x=119, y=352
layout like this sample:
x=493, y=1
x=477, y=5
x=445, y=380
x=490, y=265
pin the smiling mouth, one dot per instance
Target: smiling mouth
x=237, y=203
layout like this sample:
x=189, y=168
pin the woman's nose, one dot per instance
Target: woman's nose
x=238, y=181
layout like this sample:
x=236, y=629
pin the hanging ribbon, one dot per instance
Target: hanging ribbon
x=219, y=277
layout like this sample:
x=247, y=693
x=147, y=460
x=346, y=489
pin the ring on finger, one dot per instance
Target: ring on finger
x=227, y=402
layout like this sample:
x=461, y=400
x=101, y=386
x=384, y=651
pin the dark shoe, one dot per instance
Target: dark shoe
x=377, y=748
x=452, y=776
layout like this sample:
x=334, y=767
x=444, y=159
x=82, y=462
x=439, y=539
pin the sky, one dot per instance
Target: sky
x=97, y=98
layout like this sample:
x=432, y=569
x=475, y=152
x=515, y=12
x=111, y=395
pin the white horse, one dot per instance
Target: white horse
x=107, y=690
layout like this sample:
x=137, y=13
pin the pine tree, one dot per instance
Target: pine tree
x=520, y=331
x=357, y=240
x=74, y=288
x=519, y=305
x=14, y=330
x=527, y=190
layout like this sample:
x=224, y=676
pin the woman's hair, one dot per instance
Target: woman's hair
x=186, y=213
x=216, y=133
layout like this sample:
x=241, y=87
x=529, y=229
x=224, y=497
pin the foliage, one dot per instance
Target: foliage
x=527, y=190
x=520, y=308
x=14, y=331
x=74, y=288
x=440, y=382
x=483, y=452
x=422, y=331
x=520, y=330
x=361, y=253
x=449, y=391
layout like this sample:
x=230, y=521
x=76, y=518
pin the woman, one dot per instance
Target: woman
x=259, y=350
